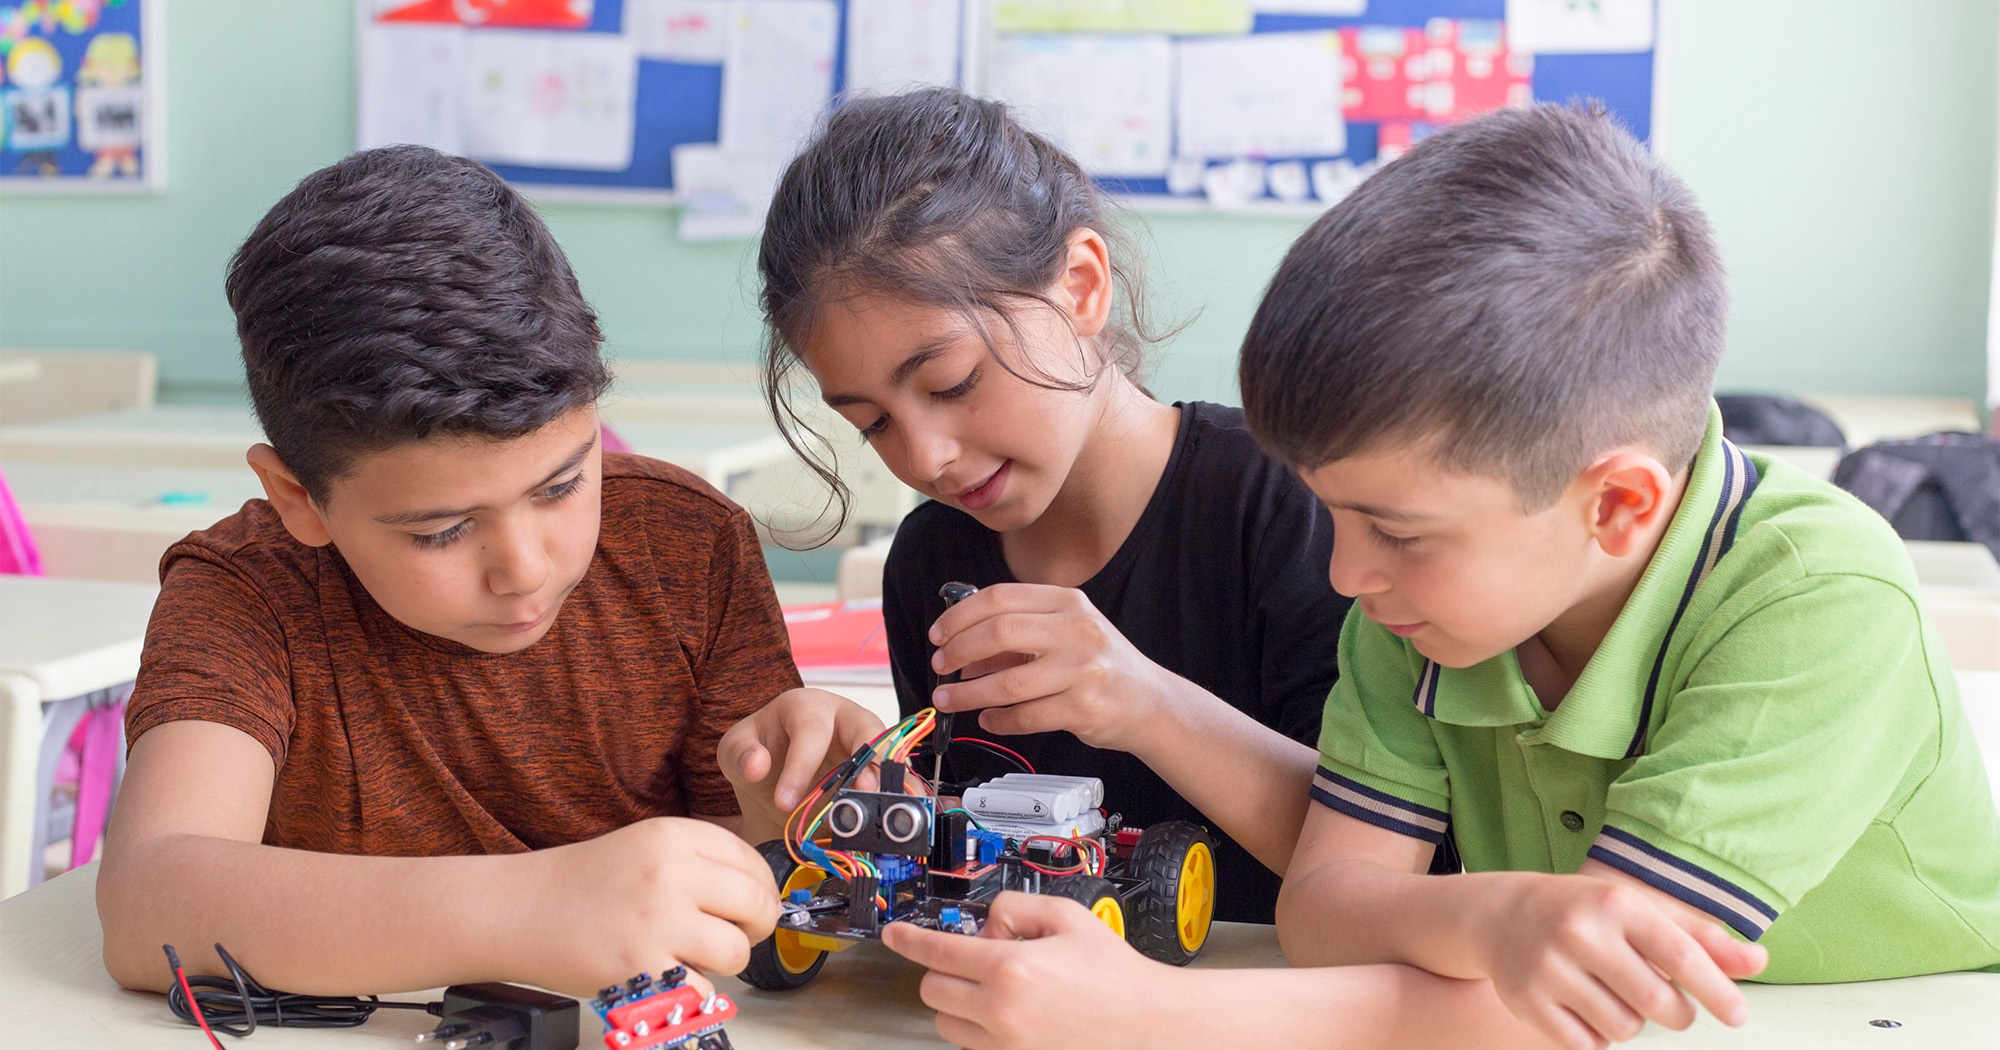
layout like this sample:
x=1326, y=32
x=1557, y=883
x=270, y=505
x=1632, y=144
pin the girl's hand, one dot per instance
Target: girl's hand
x=1046, y=659
x=802, y=734
x=1043, y=972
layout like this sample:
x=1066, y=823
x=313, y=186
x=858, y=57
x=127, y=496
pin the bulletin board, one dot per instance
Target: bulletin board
x=715, y=93
x=82, y=106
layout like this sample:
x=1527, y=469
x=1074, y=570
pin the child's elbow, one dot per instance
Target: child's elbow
x=132, y=953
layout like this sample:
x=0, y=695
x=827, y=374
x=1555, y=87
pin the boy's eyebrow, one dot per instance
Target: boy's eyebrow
x=923, y=356
x=1385, y=513
x=418, y=517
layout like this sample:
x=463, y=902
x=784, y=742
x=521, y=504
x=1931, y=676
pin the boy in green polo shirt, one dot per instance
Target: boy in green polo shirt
x=1677, y=706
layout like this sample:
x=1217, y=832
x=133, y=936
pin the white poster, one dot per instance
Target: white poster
x=894, y=45
x=722, y=197
x=1556, y=27
x=777, y=75
x=410, y=81
x=550, y=99
x=679, y=30
x=1265, y=95
x=1108, y=100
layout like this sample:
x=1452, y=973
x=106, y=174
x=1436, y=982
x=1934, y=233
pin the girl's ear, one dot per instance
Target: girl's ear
x=289, y=498
x=1085, y=286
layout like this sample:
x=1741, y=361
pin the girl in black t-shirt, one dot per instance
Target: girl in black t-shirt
x=1154, y=607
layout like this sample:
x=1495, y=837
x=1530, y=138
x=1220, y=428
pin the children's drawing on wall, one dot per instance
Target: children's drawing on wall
x=1552, y=27
x=37, y=106
x=73, y=108
x=110, y=105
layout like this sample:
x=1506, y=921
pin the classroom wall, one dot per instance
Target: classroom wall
x=1846, y=155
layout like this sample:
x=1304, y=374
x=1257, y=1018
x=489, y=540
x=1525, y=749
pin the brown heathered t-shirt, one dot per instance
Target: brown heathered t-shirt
x=396, y=743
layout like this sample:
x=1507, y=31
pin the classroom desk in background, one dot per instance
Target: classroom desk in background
x=61, y=641
x=58, y=995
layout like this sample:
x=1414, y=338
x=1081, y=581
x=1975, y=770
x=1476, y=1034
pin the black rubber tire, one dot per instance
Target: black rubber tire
x=1087, y=890
x=1156, y=862
x=766, y=971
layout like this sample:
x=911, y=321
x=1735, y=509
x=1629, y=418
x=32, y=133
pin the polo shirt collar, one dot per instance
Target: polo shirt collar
x=1606, y=713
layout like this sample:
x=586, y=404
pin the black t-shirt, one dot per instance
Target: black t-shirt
x=1222, y=581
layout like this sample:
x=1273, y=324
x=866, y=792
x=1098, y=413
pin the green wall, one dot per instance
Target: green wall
x=1845, y=153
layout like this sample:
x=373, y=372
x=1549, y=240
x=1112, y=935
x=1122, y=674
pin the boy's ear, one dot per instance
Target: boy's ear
x=289, y=498
x=1631, y=495
x=1086, y=281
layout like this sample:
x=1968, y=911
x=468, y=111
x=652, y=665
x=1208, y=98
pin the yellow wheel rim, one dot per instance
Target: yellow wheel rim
x=793, y=955
x=1110, y=913
x=1195, y=907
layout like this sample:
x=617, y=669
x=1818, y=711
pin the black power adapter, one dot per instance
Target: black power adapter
x=504, y=1017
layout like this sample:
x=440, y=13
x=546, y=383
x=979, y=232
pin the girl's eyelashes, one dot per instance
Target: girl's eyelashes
x=1394, y=543
x=881, y=423
x=963, y=388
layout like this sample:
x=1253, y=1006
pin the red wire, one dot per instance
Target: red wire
x=196, y=1007
x=1008, y=751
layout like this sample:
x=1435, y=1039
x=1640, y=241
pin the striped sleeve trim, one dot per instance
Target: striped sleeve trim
x=1688, y=883
x=1383, y=810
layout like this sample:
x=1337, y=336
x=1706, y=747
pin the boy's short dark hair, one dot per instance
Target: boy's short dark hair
x=1516, y=294
x=400, y=294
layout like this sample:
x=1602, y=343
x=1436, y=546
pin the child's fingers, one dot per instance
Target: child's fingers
x=1035, y=634
x=949, y=994
x=707, y=943
x=1028, y=680
x=1645, y=990
x=993, y=601
x=1736, y=959
x=1680, y=953
x=961, y=1032
x=1608, y=1015
x=949, y=953
x=1035, y=716
x=1031, y=916
x=808, y=733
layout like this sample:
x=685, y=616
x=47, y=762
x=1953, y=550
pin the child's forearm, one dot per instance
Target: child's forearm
x=1354, y=911
x=1252, y=781
x=314, y=922
x=1376, y=1007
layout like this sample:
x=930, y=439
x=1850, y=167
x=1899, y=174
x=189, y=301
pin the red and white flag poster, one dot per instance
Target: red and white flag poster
x=517, y=14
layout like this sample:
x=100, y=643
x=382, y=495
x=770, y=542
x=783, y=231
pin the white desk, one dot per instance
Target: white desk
x=867, y=998
x=162, y=435
x=58, y=639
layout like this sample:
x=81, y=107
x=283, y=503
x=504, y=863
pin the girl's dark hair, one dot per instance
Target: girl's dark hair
x=934, y=197
x=402, y=293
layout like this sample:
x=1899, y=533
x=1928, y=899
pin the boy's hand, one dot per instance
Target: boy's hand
x=1589, y=960
x=663, y=891
x=1043, y=972
x=1061, y=665
x=802, y=734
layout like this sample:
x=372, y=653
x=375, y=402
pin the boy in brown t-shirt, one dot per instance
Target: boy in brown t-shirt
x=439, y=709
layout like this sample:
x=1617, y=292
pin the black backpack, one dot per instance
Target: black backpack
x=1936, y=487
x=1765, y=419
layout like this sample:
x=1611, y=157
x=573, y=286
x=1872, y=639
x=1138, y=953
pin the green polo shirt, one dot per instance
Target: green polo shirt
x=1769, y=732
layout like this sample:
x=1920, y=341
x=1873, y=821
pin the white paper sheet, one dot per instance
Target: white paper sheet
x=679, y=30
x=722, y=197
x=1265, y=95
x=1554, y=27
x=410, y=83
x=777, y=76
x=1311, y=7
x=893, y=45
x=1108, y=100
x=551, y=99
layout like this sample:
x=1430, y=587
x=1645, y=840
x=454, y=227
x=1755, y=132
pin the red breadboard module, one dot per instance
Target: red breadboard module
x=644, y=1014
